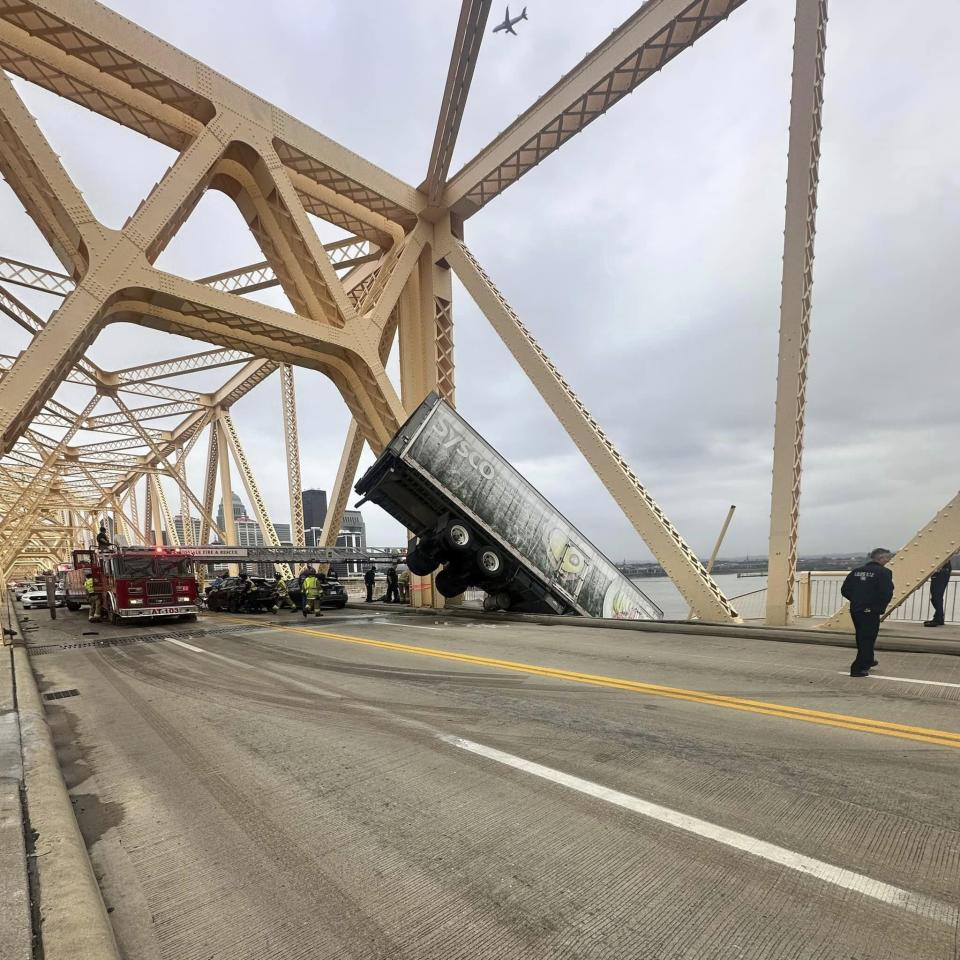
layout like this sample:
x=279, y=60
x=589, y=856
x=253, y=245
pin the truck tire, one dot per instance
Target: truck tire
x=496, y=601
x=422, y=562
x=458, y=537
x=73, y=607
x=490, y=563
x=451, y=582
x=188, y=618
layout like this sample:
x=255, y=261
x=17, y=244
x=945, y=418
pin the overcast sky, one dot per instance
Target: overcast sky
x=644, y=255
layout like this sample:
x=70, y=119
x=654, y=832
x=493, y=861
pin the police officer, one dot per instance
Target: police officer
x=93, y=598
x=938, y=587
x=369, y=579
x=869, y=589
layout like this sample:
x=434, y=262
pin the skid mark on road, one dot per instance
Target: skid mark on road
x=884, y=728
x=840, y=877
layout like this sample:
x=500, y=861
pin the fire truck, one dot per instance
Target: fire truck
x=136, y=582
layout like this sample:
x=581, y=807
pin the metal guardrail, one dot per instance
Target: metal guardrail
x=817, y=594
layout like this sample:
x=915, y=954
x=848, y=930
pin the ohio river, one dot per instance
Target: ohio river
x=666, y=596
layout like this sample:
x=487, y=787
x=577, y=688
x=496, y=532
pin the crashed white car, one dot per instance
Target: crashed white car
x=37, y=597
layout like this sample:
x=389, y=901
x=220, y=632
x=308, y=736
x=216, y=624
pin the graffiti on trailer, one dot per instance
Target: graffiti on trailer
x=474, y=473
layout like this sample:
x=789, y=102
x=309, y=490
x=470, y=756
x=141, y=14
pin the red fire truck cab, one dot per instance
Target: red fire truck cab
x=138, y=582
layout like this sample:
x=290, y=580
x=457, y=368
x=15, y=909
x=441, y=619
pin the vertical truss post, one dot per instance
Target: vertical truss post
x=806, y=103
x=181, y=465
x=288, y=399
x=339, y=494
x=226, y=492
x=148, y=510
x=210, y=482
x=134, y=511
x=269, y=531
x=418, y=370
x=173, y=538
x=156, y=518
x=119, y=526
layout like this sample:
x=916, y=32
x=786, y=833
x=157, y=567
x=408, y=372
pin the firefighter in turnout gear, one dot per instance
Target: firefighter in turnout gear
x=869, y=589
x=93, y=598
x=311, y=593
x=283, y=594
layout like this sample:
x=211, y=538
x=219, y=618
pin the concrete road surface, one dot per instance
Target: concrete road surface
x=391, y=786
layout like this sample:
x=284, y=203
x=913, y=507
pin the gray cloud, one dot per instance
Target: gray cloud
x=645, y=255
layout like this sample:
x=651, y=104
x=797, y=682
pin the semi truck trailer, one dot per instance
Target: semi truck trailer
x=476, y=517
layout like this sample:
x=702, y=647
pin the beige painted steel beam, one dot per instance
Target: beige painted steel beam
x=640, y=47
x=677, y=559
x=806, y=105
x=267, y=528
x=291, y=440
x=342, y=485
x=226, y=491
x=463, y=60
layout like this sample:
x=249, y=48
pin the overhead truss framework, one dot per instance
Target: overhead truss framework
x=62, y=470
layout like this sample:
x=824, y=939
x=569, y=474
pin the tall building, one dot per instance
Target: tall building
x=239, y=511
x=283, y=533
x=179, y=527
x=352, y=536
x=314, y=508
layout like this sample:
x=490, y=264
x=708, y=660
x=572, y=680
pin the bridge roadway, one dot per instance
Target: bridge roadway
x=382, y=785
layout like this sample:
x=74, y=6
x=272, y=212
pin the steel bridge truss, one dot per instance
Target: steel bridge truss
x=390, y=279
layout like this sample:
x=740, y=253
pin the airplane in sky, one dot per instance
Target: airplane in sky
x=507, y=24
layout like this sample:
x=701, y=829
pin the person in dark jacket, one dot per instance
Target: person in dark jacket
x=370, y=578
x=869, y=589
x=393, y=583
x=938, y=587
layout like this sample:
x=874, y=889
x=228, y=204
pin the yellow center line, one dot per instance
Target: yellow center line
x=945, y=738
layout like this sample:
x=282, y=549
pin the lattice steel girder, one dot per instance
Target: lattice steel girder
x=176, y=366
x=463, y=59
x=666, y=544
x=806, y=104
x=141, y=413
x=340, y=492
x=35, y=278
x=346, y=356
x=253, y=491
x=37, y=177
x=291, y=439
x=640, y=47
x=70, y=33
x=913, y=564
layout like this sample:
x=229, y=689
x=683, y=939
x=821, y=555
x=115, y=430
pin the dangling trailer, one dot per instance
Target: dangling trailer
x=478, y=518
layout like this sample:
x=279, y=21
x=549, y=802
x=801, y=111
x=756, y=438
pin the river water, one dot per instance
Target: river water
x=667, y=597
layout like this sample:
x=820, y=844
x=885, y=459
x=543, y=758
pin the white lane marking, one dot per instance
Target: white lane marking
x=929, y=683
x=210, y=653
x=412, y=626
x=838, y=876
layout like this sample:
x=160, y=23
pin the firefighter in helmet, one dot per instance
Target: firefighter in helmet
x=93, y=598
x=283, y=594
x=311, y=594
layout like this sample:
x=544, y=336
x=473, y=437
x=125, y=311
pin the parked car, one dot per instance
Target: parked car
x=333, y=594
x=37, y=597
x=262, y=597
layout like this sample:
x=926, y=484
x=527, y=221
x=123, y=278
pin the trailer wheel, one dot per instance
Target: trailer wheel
x=489, y=563
x=451, y=583
x=458, y=536
x=422, y=562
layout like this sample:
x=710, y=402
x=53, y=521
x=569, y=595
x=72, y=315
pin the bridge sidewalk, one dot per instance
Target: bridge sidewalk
x=16, y=934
